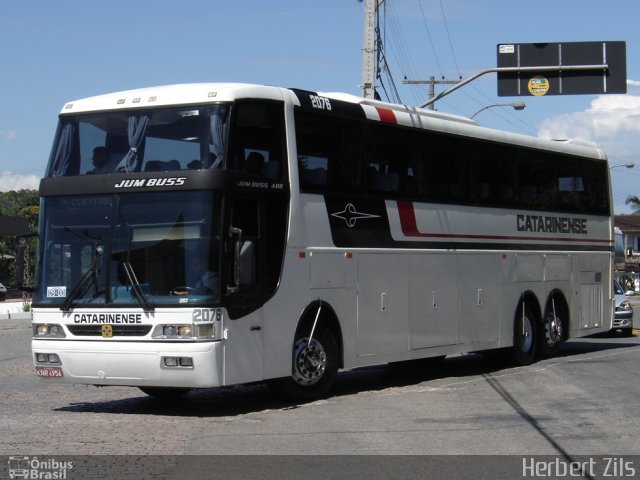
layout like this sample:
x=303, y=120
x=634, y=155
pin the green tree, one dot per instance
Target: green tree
x=634, y=201
x=20, y=203
x=15, y=200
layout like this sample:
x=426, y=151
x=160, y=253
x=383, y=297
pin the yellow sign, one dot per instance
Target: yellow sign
x=538, y=86
x=107, y=331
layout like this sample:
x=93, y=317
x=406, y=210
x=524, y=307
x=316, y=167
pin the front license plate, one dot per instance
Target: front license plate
x=49, y=372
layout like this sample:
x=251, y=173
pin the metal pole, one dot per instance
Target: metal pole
x=368, y=49
x=432, y=82
x=554, y=68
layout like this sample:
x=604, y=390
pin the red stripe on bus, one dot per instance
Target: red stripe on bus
x=410, y=229
x=386, y=115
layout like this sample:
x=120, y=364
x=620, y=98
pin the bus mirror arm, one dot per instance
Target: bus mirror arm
x=237, y=232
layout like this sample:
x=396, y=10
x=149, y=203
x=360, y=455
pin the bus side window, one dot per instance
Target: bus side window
x=328, y=156
x=257, y=139
x=388, y=158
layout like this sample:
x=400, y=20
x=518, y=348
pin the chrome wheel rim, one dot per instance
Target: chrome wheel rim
x=553, y=329
x=309, y=361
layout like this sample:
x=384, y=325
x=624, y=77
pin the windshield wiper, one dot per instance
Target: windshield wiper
x=137, y=289
x=89, y=277
x=80, y=288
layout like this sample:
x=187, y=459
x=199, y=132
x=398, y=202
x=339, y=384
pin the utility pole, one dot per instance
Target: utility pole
x=432, y=82
x=369, y=48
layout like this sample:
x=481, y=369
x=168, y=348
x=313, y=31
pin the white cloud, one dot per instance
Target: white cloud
x=9, y=134
x=15, y=181
x=612, y=121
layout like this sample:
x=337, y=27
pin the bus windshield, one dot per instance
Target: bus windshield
x=140, y=249
x=165, y=139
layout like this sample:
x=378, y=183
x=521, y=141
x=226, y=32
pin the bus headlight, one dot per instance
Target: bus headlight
x=176, y=331
x=189, y=331
x=48, y=330
x=185, y=330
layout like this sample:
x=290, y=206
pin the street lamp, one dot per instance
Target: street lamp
x=625, y=165
x=515, y=105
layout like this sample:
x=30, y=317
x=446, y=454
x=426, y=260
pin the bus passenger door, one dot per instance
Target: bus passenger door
x=243, y=257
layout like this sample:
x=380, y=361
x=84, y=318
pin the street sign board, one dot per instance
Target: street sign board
x=571, y=68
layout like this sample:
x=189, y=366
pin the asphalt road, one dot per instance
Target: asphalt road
x=579, y=404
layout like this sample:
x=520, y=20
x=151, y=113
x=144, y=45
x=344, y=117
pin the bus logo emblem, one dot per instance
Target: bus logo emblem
x=106, y=331
x=350, y=215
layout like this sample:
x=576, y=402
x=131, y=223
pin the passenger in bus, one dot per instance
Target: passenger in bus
x=173, y=165
x=102, y=161
x=200, y=278
x=254, y=163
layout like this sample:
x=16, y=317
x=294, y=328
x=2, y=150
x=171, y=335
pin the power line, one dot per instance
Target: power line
x=399, y=50
x=433, y=48
x=382, y=66
x=446, y=27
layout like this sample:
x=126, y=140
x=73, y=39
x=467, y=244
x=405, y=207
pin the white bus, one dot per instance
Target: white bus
x=215, y=234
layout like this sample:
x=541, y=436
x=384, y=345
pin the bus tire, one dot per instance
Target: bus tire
x=523, y=351
x=314, y=368
x=551, y=335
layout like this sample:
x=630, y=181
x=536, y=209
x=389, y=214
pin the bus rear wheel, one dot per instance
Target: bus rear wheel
x=551, y=335
x=314, y=368
x=525, y=341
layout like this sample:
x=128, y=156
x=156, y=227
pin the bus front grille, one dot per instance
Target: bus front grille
x=118, y=330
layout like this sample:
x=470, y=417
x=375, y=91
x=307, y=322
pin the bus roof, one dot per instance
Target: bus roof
x=167, y=95
x=203, y=93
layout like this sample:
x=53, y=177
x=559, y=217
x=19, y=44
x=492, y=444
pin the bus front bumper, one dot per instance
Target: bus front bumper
x=152, y=364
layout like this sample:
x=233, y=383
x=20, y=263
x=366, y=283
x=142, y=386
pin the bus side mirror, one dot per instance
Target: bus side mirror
x=243, y=261
x=246, y=261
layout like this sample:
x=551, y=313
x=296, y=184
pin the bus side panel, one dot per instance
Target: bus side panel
x=243, y=356
x=592, y=307
x=282, y=313
x=433, y=300
x=480, y=297
x=383, y=303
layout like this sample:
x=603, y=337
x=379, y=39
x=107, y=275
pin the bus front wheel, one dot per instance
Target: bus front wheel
x=314, y=368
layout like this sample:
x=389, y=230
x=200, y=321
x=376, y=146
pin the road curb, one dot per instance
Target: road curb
x=15, y=316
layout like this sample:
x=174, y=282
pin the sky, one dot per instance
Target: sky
x=55, y=52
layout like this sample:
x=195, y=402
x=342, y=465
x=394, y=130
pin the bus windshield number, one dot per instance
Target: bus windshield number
x=321, y=103
x=204, y=315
